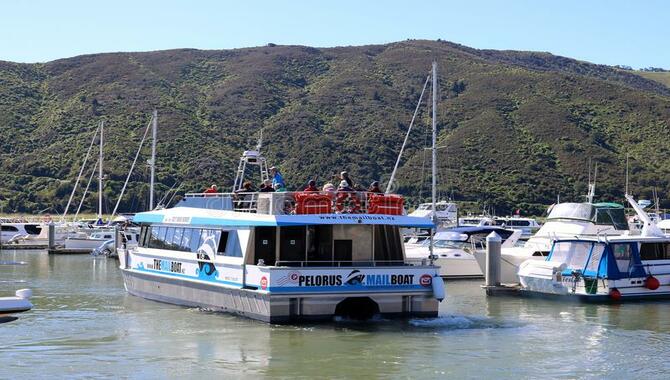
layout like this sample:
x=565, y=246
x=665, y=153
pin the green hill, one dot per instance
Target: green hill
x=660, y=77
x=517, y=128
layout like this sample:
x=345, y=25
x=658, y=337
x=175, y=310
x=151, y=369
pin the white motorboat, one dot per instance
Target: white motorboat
x=610, y=269
x=12, y=231
x=454, y=248
x=565, y=220
x=88, y=243
x=446, y=212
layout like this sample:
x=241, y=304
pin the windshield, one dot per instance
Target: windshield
x=613, y=217
x=573, y=254
x=582, y=211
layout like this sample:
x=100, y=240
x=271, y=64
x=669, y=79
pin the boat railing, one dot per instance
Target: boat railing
x=302, y=202
x=353, y=263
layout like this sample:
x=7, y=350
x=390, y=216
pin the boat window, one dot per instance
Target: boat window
x=596, y=255
x=448, y=244
x=223, y=241
x=564, y=251
x=33, y=229
x=612, y=216
x=581, y=211
x=520, y=223
x=209, y=241
x=175, y=244
x=195, y=240
x=143, y=236
x=169, y=235
x=655, y=251
x=319, y=244
x=155, y=239
x=10, y=229
x=622, y=255
x=387, y=245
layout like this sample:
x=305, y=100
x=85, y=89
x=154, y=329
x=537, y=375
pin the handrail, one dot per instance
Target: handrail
x=309, y=202
x=351, y=263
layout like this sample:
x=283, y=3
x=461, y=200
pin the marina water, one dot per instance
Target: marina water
x=84, y=325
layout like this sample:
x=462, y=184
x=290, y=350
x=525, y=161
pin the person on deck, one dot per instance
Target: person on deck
x=277, y=178
x=311, y=186
x=211, y=190
x=344, y=176
x=266, y=187
x=329, y=187
x=344, y=186
x=374, y=188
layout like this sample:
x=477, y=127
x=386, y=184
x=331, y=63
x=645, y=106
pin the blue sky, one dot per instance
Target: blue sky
x=610, y=32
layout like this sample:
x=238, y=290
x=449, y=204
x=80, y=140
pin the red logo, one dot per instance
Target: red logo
x=293, y=276
x=426, y=280
x=264, y=282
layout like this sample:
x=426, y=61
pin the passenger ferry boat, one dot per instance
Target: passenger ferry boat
x=283, y=256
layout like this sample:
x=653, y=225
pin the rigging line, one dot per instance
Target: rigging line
x=81, y=171
x=132, y=167
x=402, y=148
x=86, y=190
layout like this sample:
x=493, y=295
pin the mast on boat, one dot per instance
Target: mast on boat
x=81, y=171
x=434, y=166
x=152, y=162
x=100, y=179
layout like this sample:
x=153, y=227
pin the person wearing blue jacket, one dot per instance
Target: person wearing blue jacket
x=277, y=179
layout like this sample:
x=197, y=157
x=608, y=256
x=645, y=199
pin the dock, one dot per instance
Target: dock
x=502, y=290
x=17, y=247
x=68, y=251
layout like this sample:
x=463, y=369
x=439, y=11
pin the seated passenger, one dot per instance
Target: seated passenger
x=374, y=188
x=329, y=187
x=266, y=187
x=344, y=186
x=311, y=186
x=242, y=198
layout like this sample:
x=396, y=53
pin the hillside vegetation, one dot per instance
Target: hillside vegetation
x=516, y=129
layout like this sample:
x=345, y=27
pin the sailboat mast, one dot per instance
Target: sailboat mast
x=154, y=128
x=102, y=134
x=434, y=166
x=434, y=151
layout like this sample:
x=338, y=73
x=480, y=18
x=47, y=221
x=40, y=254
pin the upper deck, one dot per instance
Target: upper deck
x=286, y=209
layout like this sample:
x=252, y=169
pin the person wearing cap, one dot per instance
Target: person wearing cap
x=344, y=176
x=277, y=178
x=344, y=186
x=266, y=187
x=374, y=188
x=311, y=186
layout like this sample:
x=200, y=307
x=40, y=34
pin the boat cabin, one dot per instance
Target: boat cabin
x=611, y=214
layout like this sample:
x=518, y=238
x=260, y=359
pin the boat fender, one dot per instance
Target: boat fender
x=652, y=283
x=615, y=294
x=438, y=288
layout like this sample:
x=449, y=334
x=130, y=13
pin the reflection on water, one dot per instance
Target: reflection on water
x=85, y=325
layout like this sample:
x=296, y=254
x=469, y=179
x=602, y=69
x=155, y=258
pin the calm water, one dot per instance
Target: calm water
x=85, y=325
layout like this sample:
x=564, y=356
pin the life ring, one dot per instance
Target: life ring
x=347, y=203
